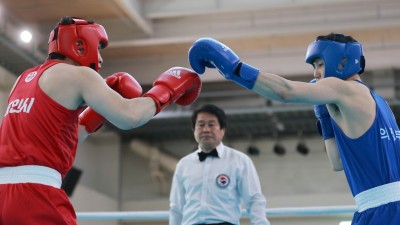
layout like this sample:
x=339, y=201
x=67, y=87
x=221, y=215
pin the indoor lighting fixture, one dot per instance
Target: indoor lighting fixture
x=26, y=36
x=302, y=148
x=253, y=150
x=279, y=149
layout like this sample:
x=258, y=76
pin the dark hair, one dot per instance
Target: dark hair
x=55, y=55
x=211, y=109
x=336, y=37
x=66, y=20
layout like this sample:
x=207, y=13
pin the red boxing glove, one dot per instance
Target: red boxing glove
x=178, y=84
x=121, y=82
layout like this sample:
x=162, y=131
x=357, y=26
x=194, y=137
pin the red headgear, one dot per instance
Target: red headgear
x=79, y=40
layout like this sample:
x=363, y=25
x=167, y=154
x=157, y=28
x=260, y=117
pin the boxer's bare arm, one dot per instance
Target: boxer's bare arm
x=82, y=133
x=121, y=82
x=333, y=154
x=72, y=86
x=325, y=91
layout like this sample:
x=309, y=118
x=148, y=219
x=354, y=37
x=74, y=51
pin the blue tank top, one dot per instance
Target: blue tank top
x=374, y=158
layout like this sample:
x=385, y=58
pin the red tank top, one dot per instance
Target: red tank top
x=36, y=130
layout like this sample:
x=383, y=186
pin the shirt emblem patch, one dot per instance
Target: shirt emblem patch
x=30, y=76
x=223, y=180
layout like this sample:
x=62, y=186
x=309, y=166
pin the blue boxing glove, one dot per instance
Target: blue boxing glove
x=207, y=52
x=324, y=124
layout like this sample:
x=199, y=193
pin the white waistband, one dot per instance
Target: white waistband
x=377, y=196
x=30, y=174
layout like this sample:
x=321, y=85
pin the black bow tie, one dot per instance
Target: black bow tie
x=204, y=155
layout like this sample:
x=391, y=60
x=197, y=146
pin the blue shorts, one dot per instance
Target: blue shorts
x=388, y=214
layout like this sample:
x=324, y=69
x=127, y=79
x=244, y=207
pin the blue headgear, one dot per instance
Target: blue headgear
x=341, y=60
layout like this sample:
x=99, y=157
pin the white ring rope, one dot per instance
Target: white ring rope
x=164, y=215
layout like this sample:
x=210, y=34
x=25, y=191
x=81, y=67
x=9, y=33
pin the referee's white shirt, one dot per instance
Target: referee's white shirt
x=212, y=191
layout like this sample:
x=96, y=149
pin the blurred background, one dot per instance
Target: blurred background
x=131, y=170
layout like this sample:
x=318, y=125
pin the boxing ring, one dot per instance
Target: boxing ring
x=271, y=212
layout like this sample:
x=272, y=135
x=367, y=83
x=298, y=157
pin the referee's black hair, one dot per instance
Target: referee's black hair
x=211, y=109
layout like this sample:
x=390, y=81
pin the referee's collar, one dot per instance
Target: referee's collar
x=220, y=149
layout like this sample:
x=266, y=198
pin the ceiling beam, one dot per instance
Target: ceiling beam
x=132, y=9
x=161, y=9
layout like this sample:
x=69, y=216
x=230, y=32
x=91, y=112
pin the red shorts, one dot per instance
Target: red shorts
x=32, y=204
